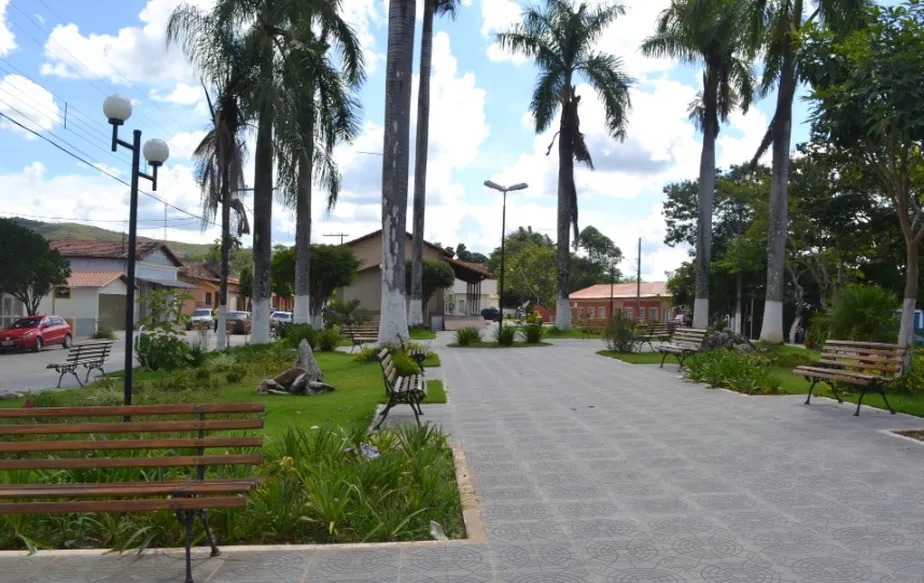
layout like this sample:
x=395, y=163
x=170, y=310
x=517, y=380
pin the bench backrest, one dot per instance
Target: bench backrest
x=60, y=438
x=89, y=351
x=661, y=329
x=689, y=337
x=875, y=358
x=389, y=372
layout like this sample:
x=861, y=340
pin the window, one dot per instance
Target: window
x=653, y=314
x=629, y=313
x=591, y=313
x=580, y=312
x=602, y=313
x=208, y=298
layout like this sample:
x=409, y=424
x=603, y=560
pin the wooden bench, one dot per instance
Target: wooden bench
x=361, y=333
x=588, y=330
x=656, y=331
x=400, y=389
x=166, y=456
x=867, y=365
x=683, y=343
x=90, y=355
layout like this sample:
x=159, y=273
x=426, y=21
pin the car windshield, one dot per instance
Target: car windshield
x=205, y=312
x=237, y=315
x=26, y=323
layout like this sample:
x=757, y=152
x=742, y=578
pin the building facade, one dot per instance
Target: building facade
x=206, y=282
x=649, y=302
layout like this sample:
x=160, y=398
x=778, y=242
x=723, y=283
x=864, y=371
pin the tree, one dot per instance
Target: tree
x=463, y=254
x=395, y=148
x=437, y=275
x=560, y=39
x=31, y=268
x=431, y=8
x=332, y=267
x=284, y=270
x=778, y=24
x=712, y=32
x=866, y=93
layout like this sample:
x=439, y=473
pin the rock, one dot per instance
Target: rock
x=728, y=339
x=305, y=378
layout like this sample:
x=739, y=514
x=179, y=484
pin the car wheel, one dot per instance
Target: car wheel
x=68, y=341
x=38, y=344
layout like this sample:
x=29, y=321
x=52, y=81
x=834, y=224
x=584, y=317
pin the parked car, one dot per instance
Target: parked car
x=280, y=317
x=238, y=322
x=36, y=332
x=201, y=318
x=491, y=314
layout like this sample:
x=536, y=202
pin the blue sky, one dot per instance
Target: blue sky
x=62, y=55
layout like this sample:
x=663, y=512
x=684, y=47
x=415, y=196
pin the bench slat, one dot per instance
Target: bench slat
x=121, y=444
x=133, y=427
x=134, y=410
x=140, y=505
x=90, y=463
x=126, y=488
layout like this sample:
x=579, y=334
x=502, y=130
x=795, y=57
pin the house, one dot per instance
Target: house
x=96, y=290
x=206, y=282
x=11, y=310
x=593, y=303
x=462, y=300
x=367, y=287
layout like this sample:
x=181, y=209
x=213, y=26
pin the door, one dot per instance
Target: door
x=112, y=311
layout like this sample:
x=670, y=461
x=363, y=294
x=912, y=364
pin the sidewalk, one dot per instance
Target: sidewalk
x=589, y=469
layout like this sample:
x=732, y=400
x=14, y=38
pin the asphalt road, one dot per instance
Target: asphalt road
x=27, y=371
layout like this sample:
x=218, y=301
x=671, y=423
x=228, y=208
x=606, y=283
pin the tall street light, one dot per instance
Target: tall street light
x=612, y=282
x=505, y=190
x=117, y=110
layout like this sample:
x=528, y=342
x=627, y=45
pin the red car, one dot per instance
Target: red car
x=36, y=332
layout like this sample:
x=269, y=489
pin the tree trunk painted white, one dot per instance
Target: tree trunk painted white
x=565, y=200
x=302, y=310
x=221, y=334
x=738, y=326
x=906, y=328
x=262, y=217
x=701, y=309
x=562, y=306
x=395, y=157
x=261, y=310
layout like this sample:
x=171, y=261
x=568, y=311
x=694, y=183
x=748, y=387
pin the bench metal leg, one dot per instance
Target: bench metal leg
x=384, y=414
x=208, y=532
x=811, y=388
x=886, y=401
x=416, y=414
x=188, y=519
x=663, y=358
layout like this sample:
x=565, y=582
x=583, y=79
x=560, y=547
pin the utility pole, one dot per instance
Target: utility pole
x=341, y=235
x=638, y=283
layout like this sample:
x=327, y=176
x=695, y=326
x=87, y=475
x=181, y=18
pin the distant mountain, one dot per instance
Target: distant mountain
x=185, y=251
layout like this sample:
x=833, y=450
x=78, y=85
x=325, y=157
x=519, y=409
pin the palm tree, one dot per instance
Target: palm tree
x=396, y=143
x=431, y=8
x=560, y=39
x=777, y=24
x=221, y=153
x=711, y=32
x=319, y=110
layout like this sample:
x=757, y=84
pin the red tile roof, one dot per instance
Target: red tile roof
x=649, y=289
x=93, y=278
x=408, y=235
x=200, y=270
x=109, y=249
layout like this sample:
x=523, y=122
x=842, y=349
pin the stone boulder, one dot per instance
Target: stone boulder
x=728, y=339
x=305, y=378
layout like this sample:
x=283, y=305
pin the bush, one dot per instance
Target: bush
x=619, y=333
x=235, y=374
x=103, y=332
x=280, y=330
x=817, y=333
x=533, y=333
x=404, y=365
x=739, y=371
x=367, y=354
x=912, y=381
x=468, y=336
x=196, y=355
x=505, y=336
x=861, y=312
x=298, y=332
x=221, y=362
x=160, y=351
x=329, y=338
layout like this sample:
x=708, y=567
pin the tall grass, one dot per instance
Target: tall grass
x=468, y=336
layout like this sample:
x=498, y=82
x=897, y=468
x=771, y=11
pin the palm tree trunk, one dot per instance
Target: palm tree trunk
x=262, y=226
x=771, y=329
x=396, y=144
x=565, y=197
x=416, y=309
x=303, y=245
x=705, y=202
x=221, y=340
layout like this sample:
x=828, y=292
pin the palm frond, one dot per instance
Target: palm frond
x=546, y=100
x=604, y=72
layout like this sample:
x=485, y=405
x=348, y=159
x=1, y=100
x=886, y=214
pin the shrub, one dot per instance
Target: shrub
x=222, y=362
x=619, y=333
x=235, y=374
x=105, y=395
x=367, y=354
x=345, y=313
x=817, y=333
x=404, y=364
x=103, y=332
x=912, y=381
x=861, y=312
x=163, y=351
x=468, y=336
x=505, y=336
x=298, y=332
x=280, y=330
x=533, y=333
x=739, y=371
x=329, y=338
x=196, y=355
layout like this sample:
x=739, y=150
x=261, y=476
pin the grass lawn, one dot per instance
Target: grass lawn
x=422, y=334
x=572, y=333
x=432, y=361
x=436, y=392
x=492, y=344
x=636, y=357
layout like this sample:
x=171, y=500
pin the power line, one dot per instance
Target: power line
x=341, y=235
x=92, y=165
x=79, y=219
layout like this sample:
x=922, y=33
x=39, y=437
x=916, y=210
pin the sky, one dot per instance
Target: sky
x=59, y=59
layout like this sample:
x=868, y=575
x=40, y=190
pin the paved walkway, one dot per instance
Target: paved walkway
x=588, y=469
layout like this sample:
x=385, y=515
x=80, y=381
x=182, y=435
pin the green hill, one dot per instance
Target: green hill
x=185, y=251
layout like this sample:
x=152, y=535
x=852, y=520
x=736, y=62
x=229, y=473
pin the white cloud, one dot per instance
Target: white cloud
x=182, y=94
x=27, y=103
x=183, y=144
x=7, y=39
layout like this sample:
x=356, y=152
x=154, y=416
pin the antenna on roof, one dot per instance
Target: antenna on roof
x=341, y=235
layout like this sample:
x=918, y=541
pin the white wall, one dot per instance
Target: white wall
x=82, y=307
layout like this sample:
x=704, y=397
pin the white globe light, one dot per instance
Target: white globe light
x=117, y=108
x=156, y=152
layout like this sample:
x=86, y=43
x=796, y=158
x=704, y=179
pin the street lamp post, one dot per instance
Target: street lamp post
x=504, y=190
x=117, y=110
x=612, y=282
